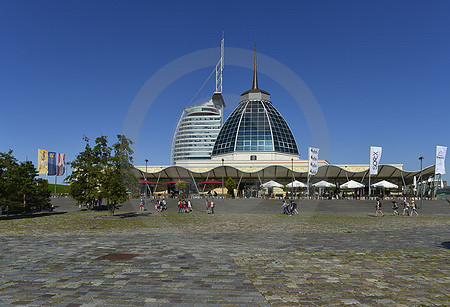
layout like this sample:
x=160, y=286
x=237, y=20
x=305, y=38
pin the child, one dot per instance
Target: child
x=395, y=207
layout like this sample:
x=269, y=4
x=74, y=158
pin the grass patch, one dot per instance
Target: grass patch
x=199, y=222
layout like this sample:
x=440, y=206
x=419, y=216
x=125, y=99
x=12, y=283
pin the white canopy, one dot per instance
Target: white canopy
x=323, y=184
x=352, y=185
x=385, y=184
x=296, y=184
x=272, y=184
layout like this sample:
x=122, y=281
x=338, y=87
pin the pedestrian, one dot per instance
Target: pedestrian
x=378, y=208
x=141, y=204
x=293, y=208
x=395, y=207
x=285, y=207
x=208, y=205
x=413, y=208
x=180, y=206
x=212, y=207
x=189, y=204
x=405, y=208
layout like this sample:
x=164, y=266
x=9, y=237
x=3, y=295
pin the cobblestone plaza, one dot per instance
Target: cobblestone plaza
x=248, y=253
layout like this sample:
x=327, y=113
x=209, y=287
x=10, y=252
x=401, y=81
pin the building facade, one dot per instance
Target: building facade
x=197, y=130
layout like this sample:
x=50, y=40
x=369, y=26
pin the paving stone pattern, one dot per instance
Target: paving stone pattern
x=247, y=268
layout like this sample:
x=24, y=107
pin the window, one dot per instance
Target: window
x=253, y=157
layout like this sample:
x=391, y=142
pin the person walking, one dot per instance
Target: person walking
x=395, y=207
x=208, y=205
x=212, y=206
x=293, y=208
x=378, y=208
x=285, y=206
x=141, y=204
x=413, y=208
x=405, y=208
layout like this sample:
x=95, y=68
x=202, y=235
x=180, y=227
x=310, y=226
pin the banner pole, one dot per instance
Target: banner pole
x=307, y=184
x=369, y=182
x=55, y=182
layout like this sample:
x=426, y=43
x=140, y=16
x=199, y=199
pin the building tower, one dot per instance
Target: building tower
x=199, y=125
x=255, y=130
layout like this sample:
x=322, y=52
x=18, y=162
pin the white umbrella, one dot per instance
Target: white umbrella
x=296, y=184
x=385, y=184
x=352, y=185
x=272, y=184
x=323, y=184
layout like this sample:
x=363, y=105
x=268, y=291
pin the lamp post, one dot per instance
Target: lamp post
x=223, y=172
x=421, y=183
x=292, y=185
x=145, y=178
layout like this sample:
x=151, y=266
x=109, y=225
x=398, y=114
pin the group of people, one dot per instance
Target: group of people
x=161, y=205
x=289, y=208
x=408, y=208
x=185, y=206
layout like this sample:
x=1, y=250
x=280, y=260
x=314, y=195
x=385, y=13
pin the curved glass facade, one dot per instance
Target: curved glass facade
x=255, y=125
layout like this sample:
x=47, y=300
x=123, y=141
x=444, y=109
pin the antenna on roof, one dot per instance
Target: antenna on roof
x=219, y=67
x=255, y=72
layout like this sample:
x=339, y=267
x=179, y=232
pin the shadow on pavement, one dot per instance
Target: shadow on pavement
x=132, y=214
x=29, y=215
x=446, y=244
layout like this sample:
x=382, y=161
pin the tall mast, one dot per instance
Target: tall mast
x=219, y=67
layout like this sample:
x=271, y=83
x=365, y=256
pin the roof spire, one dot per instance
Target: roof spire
x=255, y=72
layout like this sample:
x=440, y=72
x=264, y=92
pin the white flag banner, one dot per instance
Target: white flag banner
x=313, y=161
x=375, y=156
x=441, y=152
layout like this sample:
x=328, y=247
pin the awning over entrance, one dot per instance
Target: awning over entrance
x=331, y=173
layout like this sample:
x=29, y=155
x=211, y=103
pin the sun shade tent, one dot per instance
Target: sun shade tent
x=296, y=184
x=324, y=184
x=272, y=184
x=176, y=181
x=385, y=184
x=210, y=182
x=146, y=182
x=352, y=185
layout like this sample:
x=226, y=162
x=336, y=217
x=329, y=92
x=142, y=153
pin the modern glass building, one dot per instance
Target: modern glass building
x=254, y=129
x=197, y=130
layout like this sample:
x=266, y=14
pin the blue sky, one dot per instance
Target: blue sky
x=380, y=71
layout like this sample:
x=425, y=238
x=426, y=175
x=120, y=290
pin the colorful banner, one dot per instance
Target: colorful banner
x=375, y=157
x=313, y=161
x=42, y=161
x=61, y=168
x=441, y=152
x=52, y=163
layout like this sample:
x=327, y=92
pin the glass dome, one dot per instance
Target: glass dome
x=255, y=125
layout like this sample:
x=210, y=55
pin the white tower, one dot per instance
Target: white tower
x=199, y=125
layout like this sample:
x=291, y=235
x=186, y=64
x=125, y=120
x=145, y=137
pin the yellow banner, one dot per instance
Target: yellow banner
x=43, y=161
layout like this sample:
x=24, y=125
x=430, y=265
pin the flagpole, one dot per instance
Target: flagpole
x=55, y=182
x=307, y=184
x=369, y=182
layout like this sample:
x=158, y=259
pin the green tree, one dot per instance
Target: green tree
x=103, y=172
x=20, y=189
x=181, y=186
x=230, y=185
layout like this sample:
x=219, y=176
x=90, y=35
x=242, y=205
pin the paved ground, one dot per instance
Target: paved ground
x=333, y=253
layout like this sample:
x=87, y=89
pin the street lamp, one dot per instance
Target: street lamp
x=421, y=183
x=145, y=177
x=223, y=172
x=292, y=185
